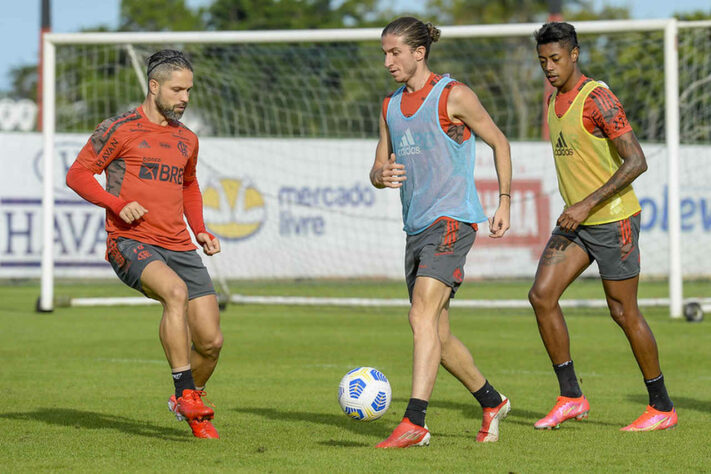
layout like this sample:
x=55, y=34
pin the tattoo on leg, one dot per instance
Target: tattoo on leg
x=555, y=250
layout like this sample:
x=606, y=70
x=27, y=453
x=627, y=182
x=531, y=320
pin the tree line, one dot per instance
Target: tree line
x=337, y=88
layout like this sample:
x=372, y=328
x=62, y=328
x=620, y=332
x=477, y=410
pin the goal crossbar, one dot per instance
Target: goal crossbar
x=342, y=35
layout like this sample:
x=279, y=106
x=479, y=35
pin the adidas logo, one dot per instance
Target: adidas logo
x=407, y=145
x=561, y=147
x=144, y=144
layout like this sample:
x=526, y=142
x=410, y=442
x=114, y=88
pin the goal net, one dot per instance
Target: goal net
x=288, y=123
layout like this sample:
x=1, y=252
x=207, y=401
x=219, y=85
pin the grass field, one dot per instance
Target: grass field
x=86, y=388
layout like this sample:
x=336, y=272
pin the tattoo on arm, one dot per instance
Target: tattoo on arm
x=633, y=165
x=456, y=132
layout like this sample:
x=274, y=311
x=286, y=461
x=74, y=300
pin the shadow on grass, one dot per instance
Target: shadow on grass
x=680, y=403
x=344, y=444
x=99, y=421
x=340, y=421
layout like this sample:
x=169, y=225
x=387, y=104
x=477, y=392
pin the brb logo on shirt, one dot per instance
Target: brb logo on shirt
x=151, y=169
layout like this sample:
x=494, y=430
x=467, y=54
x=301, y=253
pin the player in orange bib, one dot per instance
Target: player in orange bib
x=149, y=159
x=597, y=157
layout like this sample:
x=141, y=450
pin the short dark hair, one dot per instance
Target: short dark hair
x=414, y=32
x=164, y=61
x=557, y=32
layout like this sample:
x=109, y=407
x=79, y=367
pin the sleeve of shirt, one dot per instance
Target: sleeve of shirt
x=607, y=113
x=82, y=181
x=101, y=148
x=192, y=197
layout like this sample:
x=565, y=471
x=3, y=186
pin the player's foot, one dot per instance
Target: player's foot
x=190, y=406
x=653, y=419
x=203, y=429
x=406, y=434
x=173, y=407
x=489, y=431
x=200, y=428
x=565, y=408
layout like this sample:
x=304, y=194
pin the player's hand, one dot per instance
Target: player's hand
x=571, y=217
x=501, y=222
x=132, y=211
x=392, y=174
x=210, y=243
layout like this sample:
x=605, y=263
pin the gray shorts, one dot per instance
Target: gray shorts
x=614, y=246
x=439, y=252
x=129, y=258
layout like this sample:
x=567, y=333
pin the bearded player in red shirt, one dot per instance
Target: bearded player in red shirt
x=149, y=158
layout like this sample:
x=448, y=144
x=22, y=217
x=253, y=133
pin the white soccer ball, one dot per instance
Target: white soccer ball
x=364, y=394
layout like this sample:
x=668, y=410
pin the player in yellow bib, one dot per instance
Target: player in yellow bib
x=597, y=157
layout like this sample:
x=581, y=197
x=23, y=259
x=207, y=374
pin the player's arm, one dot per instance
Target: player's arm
x=464, y=105
x=385, y=173
x=634, y=164
x=92, y=160
x=192, y=208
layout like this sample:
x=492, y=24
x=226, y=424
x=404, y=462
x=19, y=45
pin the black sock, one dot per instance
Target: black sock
x=487, y=396
x=658, y=397
x=416, y=411
x=183, y=380
x=567, y=380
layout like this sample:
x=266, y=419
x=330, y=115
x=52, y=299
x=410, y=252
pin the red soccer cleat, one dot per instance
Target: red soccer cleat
x=565, y=408
x=201, y=428
x=406, y=434
x=652, y=420
x=489, y=431
x=191, y=407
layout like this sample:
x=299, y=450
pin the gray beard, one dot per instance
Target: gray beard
x=168, y=112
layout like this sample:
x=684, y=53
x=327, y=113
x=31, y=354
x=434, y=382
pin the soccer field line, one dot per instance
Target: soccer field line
x=366, y=302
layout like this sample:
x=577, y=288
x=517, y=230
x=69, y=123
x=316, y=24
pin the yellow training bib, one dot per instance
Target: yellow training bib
x=585, y=162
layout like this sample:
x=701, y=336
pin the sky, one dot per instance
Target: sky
x=20, y=19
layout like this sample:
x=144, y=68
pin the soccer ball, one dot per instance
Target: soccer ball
x=364, y=394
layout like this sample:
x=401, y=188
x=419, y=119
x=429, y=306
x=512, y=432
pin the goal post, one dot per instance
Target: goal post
x=315, y=126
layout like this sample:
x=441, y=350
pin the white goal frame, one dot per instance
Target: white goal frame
x=670, y=27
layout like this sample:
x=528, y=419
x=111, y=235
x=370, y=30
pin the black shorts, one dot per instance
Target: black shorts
x=614, y=246
x=439, y=252
x=129, y=258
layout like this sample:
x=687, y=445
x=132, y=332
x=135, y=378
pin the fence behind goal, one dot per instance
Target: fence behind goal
x=288, y=123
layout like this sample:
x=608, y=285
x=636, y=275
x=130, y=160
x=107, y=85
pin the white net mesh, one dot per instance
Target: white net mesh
x=334, y=90
x=296, y=123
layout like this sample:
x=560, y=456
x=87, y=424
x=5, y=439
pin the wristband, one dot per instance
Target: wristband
x=505, y=194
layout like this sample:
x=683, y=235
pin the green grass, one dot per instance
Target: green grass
x=86, y=388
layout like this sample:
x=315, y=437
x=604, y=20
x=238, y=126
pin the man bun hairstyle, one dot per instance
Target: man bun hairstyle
x=161, y=64
x=413, y=32
x=557, y=32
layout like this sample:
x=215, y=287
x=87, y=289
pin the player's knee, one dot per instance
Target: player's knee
x=621, y=316
x=210, y=348
x=176, y=295
x=538, y=299
x=444, y=335
x=421, y=320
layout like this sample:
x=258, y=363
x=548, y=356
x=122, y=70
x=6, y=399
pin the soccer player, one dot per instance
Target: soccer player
x=597, y=157
x=426, y=149
x=149, y=158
